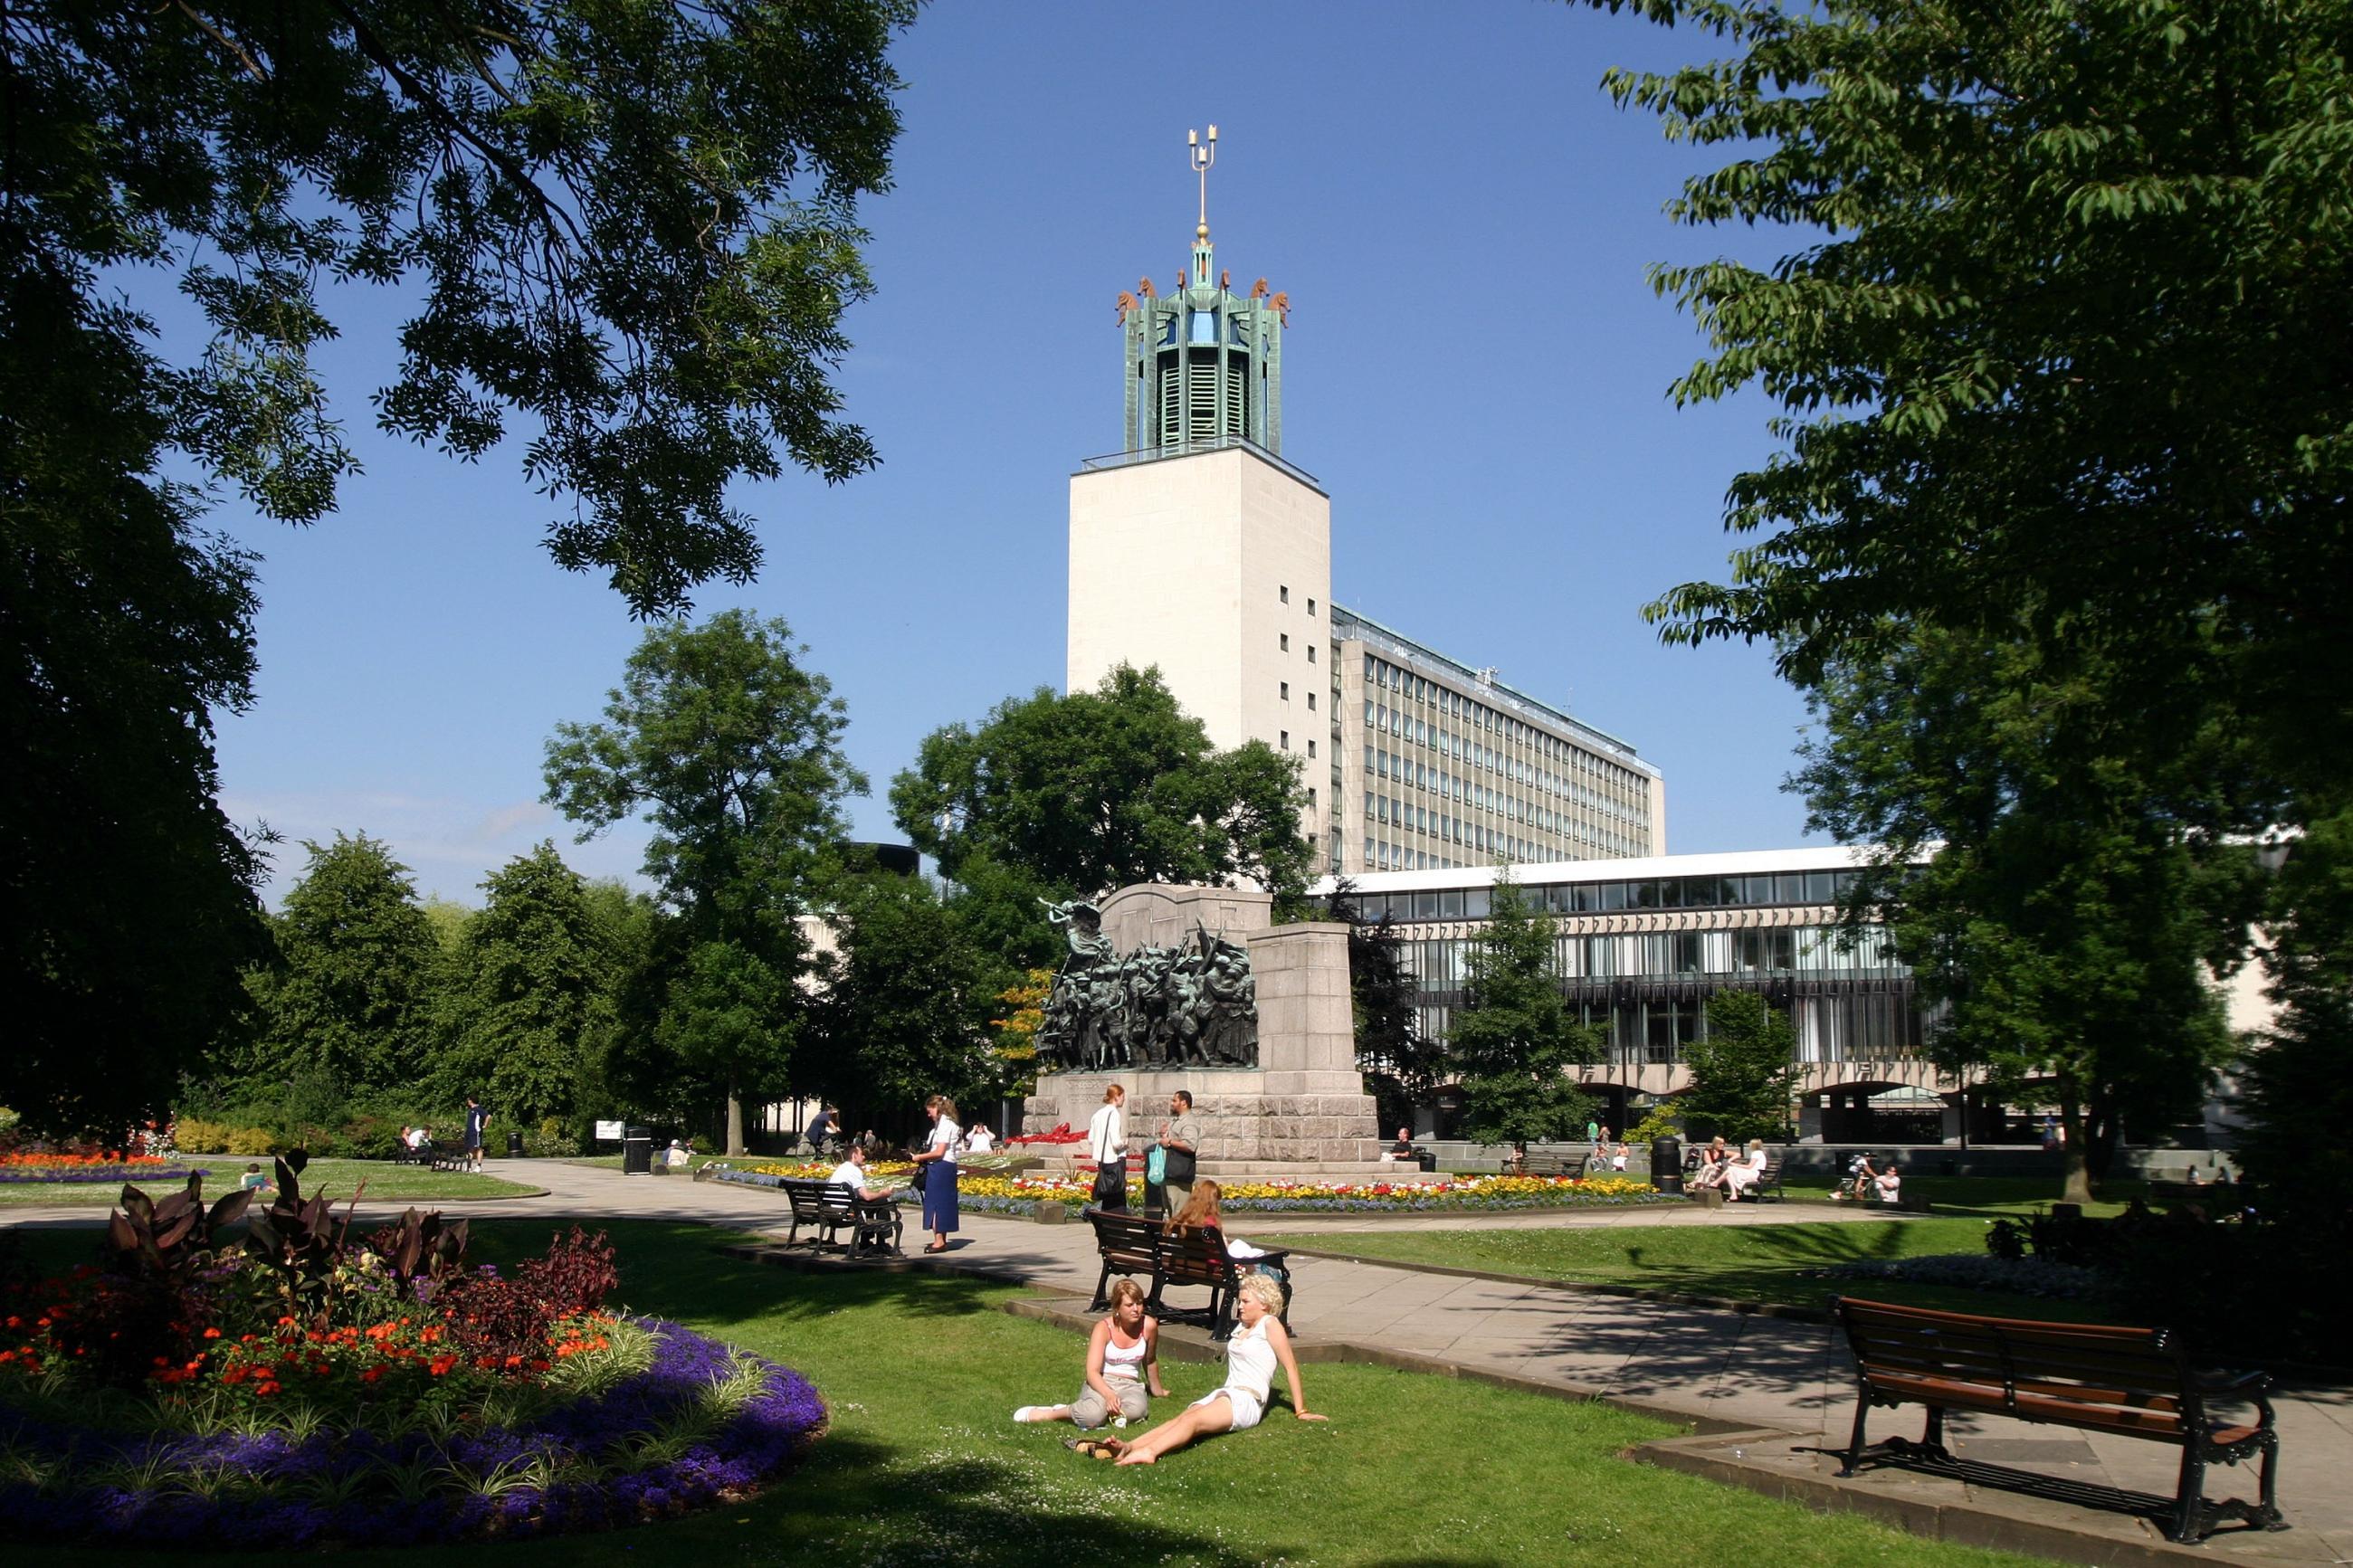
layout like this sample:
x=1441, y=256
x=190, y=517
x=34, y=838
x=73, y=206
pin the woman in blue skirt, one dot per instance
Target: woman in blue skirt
x=940, y=1186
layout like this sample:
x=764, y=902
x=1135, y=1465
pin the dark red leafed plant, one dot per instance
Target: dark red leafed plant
x=502, y=1318
x=576, y=1276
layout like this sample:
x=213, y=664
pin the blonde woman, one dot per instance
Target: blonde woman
x=1745, y=1171
x=1257, y=1348
x=1123, y=1372
x=1107, y=1146
x=940, y=1186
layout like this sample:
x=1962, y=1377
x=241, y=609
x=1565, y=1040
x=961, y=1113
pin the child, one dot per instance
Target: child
x=253, y=1180
x=1617, y=1161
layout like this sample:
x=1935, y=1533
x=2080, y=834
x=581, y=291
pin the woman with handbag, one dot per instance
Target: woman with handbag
x=1107, y=1146
x=936, y=1171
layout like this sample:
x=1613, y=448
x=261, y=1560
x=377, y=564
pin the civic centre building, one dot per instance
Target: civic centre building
x=1200, y=549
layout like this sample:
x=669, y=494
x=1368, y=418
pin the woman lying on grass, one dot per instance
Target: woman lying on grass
x=1250, y=1359
x=1123, y=1363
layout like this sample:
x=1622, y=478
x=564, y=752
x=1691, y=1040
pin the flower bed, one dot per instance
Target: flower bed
x=1022, y=1194
x=309, y=1390
x=52, y=1166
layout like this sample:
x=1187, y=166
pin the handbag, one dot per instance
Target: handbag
x=923, y=1176
x=1155, y=1166
x=1110, y=1182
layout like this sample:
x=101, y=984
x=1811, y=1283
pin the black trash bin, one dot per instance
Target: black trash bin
x=514, y=1144
x=637, y=1151
x=1667, y=1165
x=1425, y=1159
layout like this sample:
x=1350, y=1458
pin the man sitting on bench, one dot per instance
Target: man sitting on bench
x=852, y=1174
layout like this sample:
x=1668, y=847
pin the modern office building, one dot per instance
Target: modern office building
x=1199, y=549
x=1642, y=944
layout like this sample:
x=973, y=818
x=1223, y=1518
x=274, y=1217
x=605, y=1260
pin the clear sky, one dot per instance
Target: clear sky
x=1476, y=370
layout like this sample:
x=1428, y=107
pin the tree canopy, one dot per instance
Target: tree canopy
x=1083, y=794
x=1741, y=1070
x=1513, y=1040
x=730, y=750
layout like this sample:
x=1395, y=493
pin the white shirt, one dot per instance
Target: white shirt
x=980, y=1141
x=943, y=1138
x=1249, y=1362
x=848, y=1174
x=1107, y=1135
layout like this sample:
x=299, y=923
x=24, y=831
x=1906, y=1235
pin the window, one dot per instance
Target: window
x=1284, y=637
x=1286, y=691
x=1311, y=702
x=1311, y=649
x=1311, y=788
x=1311, y=751
x=1283, y=592
x=1311, y=606
x=1286, y=739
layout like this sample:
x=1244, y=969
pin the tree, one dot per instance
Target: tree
x=1514, y=1041
x=531, y=989
x=349, y=1004
x=2068, y=337
x=2062, y=897
x=632, y=229
x=1741, y=1070
x=731, y=751
x=1076, y=795
x=903, y=1009
x=1403, y=1067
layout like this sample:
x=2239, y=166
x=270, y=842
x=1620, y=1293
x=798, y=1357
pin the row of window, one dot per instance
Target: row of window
x=1282, y=596
x=1862, y=1026
x=1382, y=855
x=1446, y=703
x=1442, y=966
x=1380, y=762
x=1612, y=793
x=1642, y=893
x=1481, y=838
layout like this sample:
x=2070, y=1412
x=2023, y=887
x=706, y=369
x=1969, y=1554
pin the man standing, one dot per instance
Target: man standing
x=1180, y=1138
x=478, y=1122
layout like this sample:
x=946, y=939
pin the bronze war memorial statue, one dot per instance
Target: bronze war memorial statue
x=1193, y=1005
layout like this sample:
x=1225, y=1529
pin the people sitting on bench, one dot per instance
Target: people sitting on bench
x=1888, y=1184
x=1257, y=1348
x=1202, y=1212
x=1122, y=1370
x=1402, y=1150
x=1743, y=1171
x=1714, y=1165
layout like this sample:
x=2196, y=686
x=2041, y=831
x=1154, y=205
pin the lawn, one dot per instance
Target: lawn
x=923, y=1465
x=1990, y=1196
x=1742, y=1262
x=338, y=1178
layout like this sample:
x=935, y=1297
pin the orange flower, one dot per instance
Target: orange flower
x=212, y=1333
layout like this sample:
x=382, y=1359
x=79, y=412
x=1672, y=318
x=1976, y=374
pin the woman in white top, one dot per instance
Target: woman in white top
x=979, y=1141
x=1745, y=1171
x=1107, y=1146
x=1123, y=1367
x=1252, y=1356
x=940, y=1186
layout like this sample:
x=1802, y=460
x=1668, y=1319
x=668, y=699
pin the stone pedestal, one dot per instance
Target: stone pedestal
x=1304, y=1104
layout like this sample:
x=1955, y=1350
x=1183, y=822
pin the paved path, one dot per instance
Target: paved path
x=1724, y=1365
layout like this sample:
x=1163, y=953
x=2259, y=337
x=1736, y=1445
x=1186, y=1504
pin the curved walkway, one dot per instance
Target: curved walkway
x=1791, y=1380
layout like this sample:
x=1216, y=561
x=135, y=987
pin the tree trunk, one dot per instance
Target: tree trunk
x=2073, y=1146
x=735, y=1114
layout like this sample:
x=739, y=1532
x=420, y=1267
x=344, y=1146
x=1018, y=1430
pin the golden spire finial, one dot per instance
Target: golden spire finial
x=1204, y=155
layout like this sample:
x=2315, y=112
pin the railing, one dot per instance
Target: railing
x=1193, y=448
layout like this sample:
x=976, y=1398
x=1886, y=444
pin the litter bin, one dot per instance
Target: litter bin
x=1425, y=1159
x=1667, y=1165
x=514, y=1144
x=637, y=1152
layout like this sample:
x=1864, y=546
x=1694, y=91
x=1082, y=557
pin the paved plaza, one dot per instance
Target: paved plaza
x=1788, y=1379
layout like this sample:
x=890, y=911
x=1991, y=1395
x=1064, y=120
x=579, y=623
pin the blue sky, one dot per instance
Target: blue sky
x=1476, y=370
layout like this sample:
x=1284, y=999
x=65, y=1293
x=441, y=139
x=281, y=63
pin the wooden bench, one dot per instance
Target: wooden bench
x=2133, y=1382
x=1134, y=1246
x=1553, y=1165
x=444, y=1157
x=402, y=1154
x=1767, y=1184
x=829, y=1208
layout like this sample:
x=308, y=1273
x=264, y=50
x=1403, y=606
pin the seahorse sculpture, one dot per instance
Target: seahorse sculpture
x=1258, y=289
x=1281, y=304
x=1144, y=287
x=1226, y=282
x=1126, y=304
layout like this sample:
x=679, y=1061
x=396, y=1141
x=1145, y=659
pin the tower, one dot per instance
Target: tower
x=1197, y=548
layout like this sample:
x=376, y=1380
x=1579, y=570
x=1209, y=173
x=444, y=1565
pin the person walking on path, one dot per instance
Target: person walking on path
x=1252, y=1355
x=1122, y=1370
x=478, y=1125
x=1107, y=1146
x=940, y=1183
x=1180, y=1141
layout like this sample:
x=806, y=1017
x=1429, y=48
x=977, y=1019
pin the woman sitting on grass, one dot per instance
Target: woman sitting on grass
x=1252, y=1356
x=1123, y=1363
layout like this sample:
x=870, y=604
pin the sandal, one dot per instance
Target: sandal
x=937, y=1247
x=1095, y=1447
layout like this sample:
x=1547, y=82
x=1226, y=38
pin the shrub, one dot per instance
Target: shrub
x=196, y=1136
x=250, y=1140
x=549, y=1141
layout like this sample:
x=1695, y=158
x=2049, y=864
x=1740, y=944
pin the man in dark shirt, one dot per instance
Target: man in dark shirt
x=821, y=1128
x=478, y=1121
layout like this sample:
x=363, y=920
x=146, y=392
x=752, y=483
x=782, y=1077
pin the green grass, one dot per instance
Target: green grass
x=1742, y=1262
x=1990, y=1196
x=338, y=1178
x=922, y=1466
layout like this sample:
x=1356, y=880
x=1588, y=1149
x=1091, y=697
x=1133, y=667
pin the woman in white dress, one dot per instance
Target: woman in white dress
x=1745, y=1171
x=1252, y=1355
x=940, y=1185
